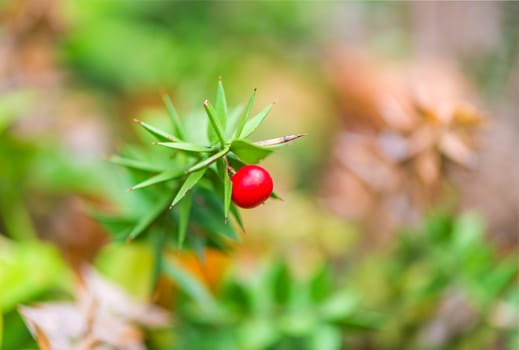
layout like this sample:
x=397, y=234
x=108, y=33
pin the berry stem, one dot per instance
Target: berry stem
x=228, y=166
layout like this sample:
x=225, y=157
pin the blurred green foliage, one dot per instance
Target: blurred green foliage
x=15, y=158
x=29, y=272
x=36, y=166
x=275, y=310
x=132, y=47
x=446, y=265
x=408, y=284
x=442, y=275
x=492, y=71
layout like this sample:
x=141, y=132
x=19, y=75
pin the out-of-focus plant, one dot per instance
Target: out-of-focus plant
x=183, y=189
x=15, y=158
x=396, y=152
x=406, y=128
x=29, y=271
x=185, y=42
x=444, y=287
x=273, y=309
x=36, y=169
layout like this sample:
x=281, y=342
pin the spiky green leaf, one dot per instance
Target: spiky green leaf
x=162, y=177
x=191, y=181
x=214, y=128
x=227, y=195
x=245, y=115
x=236, y=214
x=232, y=122
x=253, y=123
x=158, y=239
x=185, y=146
x=183, y=219
x=227, y=189
x=156, y=132
x=134, y=164
x=151, y=215
x=221, y=105
x=208, y=161
x=173, y=116
x=209, y=216
x=249, y=152
x=274, y=195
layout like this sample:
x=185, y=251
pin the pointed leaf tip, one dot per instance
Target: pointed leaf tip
x=245, y=115
x=185, y=146
x=156, y=132
x=252, y=124
x=236, y=214
x=280, y=141
x=274, y=195
x=173, y=116
x=164, y=176
x=134, y=164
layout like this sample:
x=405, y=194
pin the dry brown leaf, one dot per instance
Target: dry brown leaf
x=455, y=149
x=114, y=300
x=396, y=111
x=422, y=139
x=103, y=317
x=428, y=167
x=53, y=324
x=393, y=146
x=359, y=155
x=405, y=122
x=467, y=115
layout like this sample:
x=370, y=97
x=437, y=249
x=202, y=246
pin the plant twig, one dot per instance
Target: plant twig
x=279, y=140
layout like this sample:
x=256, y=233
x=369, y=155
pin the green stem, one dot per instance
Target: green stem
x=209, y=160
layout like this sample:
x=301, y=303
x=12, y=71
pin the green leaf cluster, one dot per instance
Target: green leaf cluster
x=181, y=181
x=274, y=309
x=446, y=269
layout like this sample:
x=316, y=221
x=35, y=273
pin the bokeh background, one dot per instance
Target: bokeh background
x=399, y=224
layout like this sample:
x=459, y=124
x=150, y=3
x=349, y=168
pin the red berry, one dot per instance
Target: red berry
x=251, y=186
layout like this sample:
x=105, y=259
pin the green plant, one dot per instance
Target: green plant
x=274, y=309
x=444, y=277
x=182, y=188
